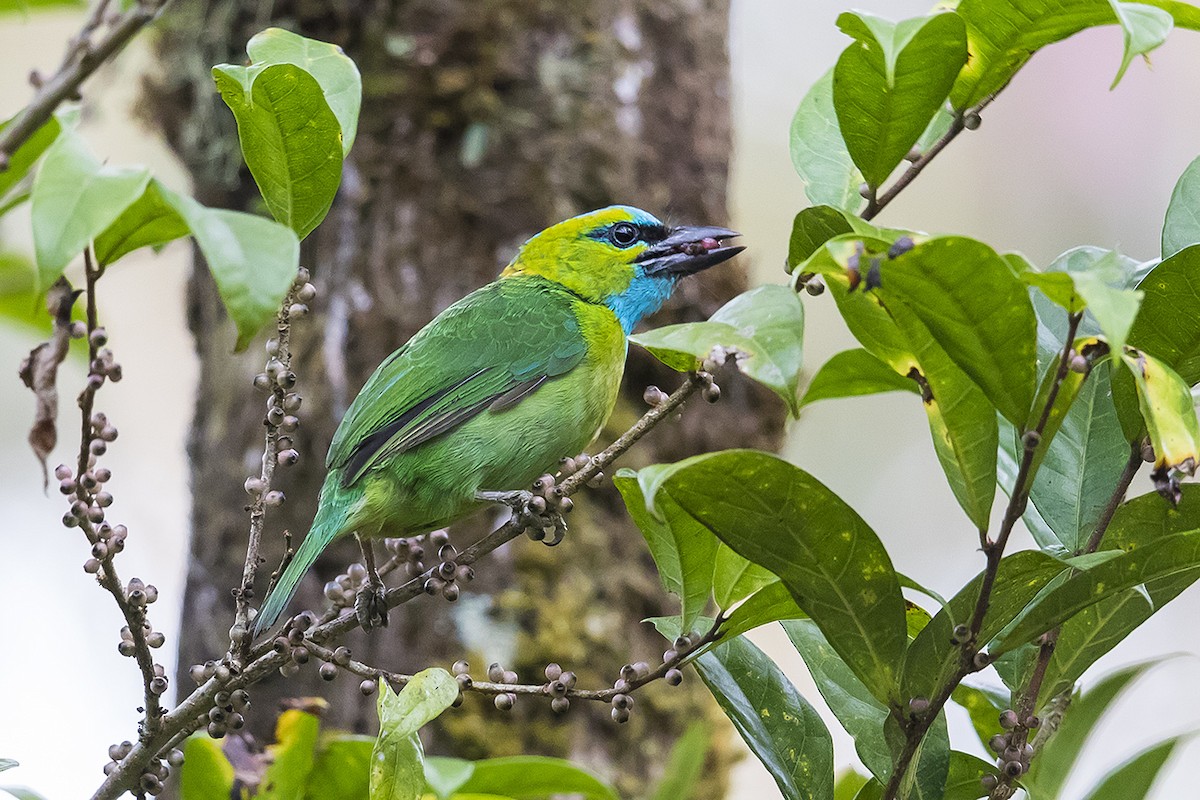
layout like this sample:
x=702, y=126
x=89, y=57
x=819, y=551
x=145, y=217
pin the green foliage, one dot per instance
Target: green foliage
x=1181, y=227
x=207, y=774
x=853, y=373
x=24, y=157
x=890, y=82
x=776, y=722
x=762, y=330
x=296, y=107
x=819, y=153
x=397, y=761
x=685, y=766
x=516, y=777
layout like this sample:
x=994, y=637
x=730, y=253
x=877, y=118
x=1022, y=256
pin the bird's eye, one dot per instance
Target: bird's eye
x=623, y=234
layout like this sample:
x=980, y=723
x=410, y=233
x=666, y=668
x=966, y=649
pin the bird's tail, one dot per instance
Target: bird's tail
x=331, y=521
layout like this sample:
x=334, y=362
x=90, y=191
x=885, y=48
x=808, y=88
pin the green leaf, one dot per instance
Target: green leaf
x=25, y=156
x=1169, y=412
x=772, y=603
x=530, y=777
x=1144, y=29
x=819, y=153
x=853, y=373
x=966, y=775
x=341, y=770
x=978, y=311
x=861, y=714
x=292, y=756
x=847, y=785
x=783, y=519
x=934, y=656
x=8, y=763
x=1168, y=326
x=397, y=771
x=782, y=730
x=1163, y=558
x=811, y=228
x=290, y=139
x=75, y=198
x=764, y=327
x=684, y=550
x=253, y=260
x=21, y=793
x=149, y=222
x=333, y=70
x=1049, y=771
x=1134, y=779
x=1003, y=34
x=734, y=578
x=890, y=83
x=656, y=533
x=445, y=776
x=684, y=766
x=206, y=773
x=1181, y=227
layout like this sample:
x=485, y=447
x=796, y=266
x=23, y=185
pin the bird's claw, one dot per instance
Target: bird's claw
x=370, y=606
x=539, y=512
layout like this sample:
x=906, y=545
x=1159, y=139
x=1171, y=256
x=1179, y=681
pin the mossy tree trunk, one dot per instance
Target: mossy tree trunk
x=482, y=122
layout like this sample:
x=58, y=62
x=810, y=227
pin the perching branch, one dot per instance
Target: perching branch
x=83, y=57
x=191, y=713
x=973, y=659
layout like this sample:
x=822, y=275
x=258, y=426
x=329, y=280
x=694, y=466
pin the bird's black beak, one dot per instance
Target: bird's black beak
x=688, y=250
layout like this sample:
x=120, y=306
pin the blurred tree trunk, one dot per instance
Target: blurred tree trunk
x=482, y=123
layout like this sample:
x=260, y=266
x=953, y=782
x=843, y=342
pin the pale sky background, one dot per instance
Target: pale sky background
x=1059, y=161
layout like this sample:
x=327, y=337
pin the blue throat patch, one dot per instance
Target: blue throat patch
x=644, y=296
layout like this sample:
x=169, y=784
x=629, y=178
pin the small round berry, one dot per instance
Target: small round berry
x=1008, y=719
x=971, y=120
x=559, y=705
x=620, y=715
x=553, y=671
x=495, y=672
x=328, y=671
x=503, y=702
x=673, y=677
x=368, y=687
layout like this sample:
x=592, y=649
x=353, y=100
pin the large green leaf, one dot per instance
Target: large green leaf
x=8, y=763
x=149, y=222
x=327, y=63
x=978, y=311
x=1134, y=779
x=75, y=198
x=764, y=327
x=397, y=761
x=782, y=730
x=292, y=756
x=25, y=156
x=1082, y=464
x=780, y=517
x=965, y=780
x=771, y=603
x=290, y=138
x=1049, y=771
x=735, y=578
x=1144, y=29
x=984, y=706
x=852, y=373
x=518, y=777
x=206, y=773
x=1181, y=228
x=1163, y=558
x=342, y=769
x=961, y=419
x=1168, y=326
x=934, y=656
x=1003, y=34
x=658, y=536
x=819, y=153
x=890, y=83
x=253, y=260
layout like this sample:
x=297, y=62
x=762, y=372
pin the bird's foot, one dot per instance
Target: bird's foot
x=540, y=511
x=370, y=605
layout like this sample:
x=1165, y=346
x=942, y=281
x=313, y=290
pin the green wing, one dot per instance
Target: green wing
x=486, y=352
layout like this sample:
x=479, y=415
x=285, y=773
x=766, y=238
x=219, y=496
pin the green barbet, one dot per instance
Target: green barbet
x=498, y=387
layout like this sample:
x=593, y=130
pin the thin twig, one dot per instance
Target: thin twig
x=83, y=57
x=1027, y=702
x=994, y=551
x=184, y=718
x=239, y=645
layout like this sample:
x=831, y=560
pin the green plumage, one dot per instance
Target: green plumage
x=491, y=393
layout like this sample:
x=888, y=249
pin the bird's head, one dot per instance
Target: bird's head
x=621, y=257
